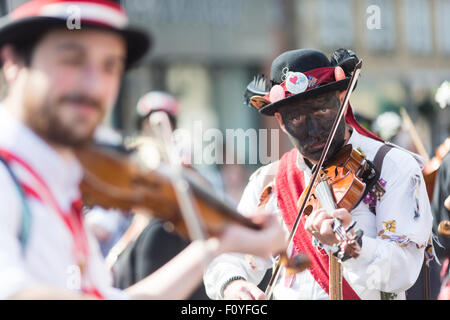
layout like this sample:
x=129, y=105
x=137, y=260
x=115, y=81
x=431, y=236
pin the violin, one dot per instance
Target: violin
x=343, y=174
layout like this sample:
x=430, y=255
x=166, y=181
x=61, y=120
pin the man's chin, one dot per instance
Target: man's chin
x=72, y=142
x=314, y=158
x=69, y=139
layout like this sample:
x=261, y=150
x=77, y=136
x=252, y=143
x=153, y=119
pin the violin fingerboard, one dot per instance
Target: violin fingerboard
x=325, y=196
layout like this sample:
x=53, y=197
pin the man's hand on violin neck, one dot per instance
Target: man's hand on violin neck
x=243, y=290
x=320, y=224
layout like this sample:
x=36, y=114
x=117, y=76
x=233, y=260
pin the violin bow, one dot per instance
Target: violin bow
x=195, y=228
x=340, y=115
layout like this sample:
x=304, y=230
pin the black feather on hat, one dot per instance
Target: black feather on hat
x=258, y=87
x=346, y=59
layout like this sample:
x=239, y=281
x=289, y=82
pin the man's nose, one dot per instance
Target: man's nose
x=313, y=126
x=92, y=81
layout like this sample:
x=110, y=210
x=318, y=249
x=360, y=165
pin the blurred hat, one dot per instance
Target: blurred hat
x=300, y=74
x=35, y=17
x=442, y=96
x=387, y=125
x=157, y=101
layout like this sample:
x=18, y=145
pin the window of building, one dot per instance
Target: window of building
x=417, y=26
x=443, y=25
x=336, y=23
x=4, y=7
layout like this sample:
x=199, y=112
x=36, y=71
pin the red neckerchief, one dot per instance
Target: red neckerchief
x=289, y=184
x=72, y=220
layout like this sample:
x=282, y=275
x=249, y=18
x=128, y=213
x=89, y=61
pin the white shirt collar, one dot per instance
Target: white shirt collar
x=61, y=175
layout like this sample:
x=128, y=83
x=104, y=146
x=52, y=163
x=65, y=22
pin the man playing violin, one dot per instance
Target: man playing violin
x=60, y=83
x=394, y=214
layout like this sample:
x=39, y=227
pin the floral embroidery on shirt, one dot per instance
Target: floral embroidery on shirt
x=400, y=240
x=416, y=181
x=388, y=233
x=375, y=193
x=389, y=225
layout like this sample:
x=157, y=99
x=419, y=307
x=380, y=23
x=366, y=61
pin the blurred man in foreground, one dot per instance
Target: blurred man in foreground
x=61, y=82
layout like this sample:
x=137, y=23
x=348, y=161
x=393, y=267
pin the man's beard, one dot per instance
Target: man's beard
x=46, y=122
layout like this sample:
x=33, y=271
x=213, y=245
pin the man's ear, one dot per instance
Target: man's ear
x=341, y=96
x=280, y=122
x=11, y=63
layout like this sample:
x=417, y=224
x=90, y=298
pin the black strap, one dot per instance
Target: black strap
x=379, y=157
x=376, y=165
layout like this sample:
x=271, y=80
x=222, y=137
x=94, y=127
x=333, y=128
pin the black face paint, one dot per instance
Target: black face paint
x=309, y=123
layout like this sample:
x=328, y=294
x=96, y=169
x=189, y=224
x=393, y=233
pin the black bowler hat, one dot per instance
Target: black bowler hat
x=35, y=17
x=300, y=74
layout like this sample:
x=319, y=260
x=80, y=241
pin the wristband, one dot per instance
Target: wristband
x=224, y=286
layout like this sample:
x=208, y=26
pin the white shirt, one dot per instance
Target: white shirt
x=387, y=263
x=48, y=258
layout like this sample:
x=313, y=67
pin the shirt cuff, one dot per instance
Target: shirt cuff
x=226, y=276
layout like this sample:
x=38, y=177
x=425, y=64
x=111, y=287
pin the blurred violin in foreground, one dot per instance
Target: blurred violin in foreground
x=113, y=180
x=171, y=193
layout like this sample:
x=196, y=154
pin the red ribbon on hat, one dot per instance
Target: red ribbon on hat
x=315, y=77
x=350, y=119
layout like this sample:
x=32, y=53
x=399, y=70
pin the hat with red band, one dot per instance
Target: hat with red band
x=35, y=17
x=301, y=74
x=298, y=75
